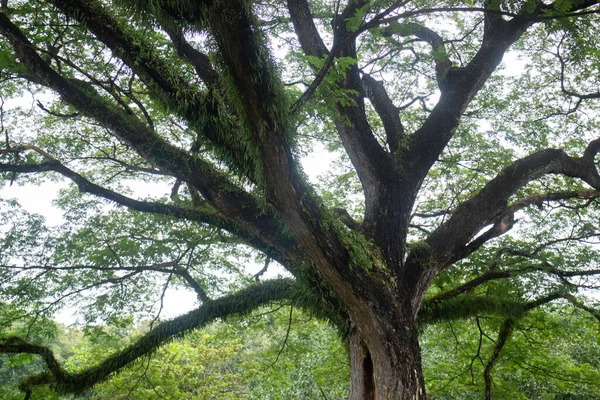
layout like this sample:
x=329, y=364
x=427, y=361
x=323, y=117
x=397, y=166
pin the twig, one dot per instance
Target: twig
x=55, y=114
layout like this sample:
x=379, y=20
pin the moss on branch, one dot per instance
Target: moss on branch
x=239, y=303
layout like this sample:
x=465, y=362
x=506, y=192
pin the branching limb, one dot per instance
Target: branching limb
x=440, y=55
x=458, y=86
x=493, y=275
x=505, y=221
x=368, y=157
x=503, y=335
x=207, y=216
x=253, y=77
x=234, y=203
x=489, y=204
x=200, y=109
x=544, y=267
x=171, y=268
x=387, y=111
x=241, y=302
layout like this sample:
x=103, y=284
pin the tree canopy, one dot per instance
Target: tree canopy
x=463, y=189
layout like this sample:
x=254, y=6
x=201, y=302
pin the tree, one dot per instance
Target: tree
x=448, y=154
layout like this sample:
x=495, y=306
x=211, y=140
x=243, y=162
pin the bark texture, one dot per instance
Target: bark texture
x=388, y=367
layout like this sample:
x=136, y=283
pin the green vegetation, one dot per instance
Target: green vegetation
x=266, y=356
x=450, y=250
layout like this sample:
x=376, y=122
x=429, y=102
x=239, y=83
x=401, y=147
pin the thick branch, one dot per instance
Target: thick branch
x=234, y=203
x=199, y=60
x=201, y=109
x=440, y=57
x=307, y=32
x=241, y=302
x=458, y=87
x=386, y=110
x=368, y=157
x=447, y=243
x=504, y=222
x=470, y=306
x=207, y=216
x=284, y=187
x=251, y=69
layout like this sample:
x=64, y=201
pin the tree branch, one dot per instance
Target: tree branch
x=458, y=87
x=206, y=216
x=503, y=335
x=305, y=28
x=492, y=275
x=199, y=60
x=171, y=268
x=386, y=110
x=368, y=157
x=470, y=306
x=504, y=222
x=241, y=302
x=447, y=243
x=573, y=300
x=438, y=47
x=202, y=110
x=237, y=206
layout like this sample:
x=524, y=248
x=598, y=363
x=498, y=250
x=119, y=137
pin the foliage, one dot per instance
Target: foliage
x=461, y=206
x=536, y=364
x=263, y=356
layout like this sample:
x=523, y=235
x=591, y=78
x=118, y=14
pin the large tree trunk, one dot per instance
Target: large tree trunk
x=386, y=366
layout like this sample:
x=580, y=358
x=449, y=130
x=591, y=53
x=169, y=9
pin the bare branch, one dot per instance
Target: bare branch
x=55, y=114
x=162, y=298
x=263, y=270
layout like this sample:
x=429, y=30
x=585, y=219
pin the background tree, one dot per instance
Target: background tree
x=440, y=153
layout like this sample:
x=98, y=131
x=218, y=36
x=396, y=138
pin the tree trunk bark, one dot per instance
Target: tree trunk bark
x=387, y=367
